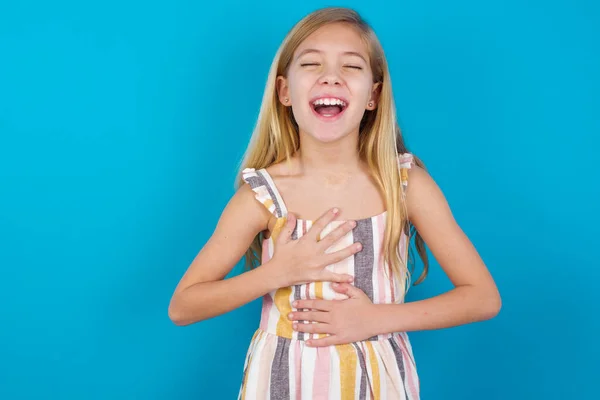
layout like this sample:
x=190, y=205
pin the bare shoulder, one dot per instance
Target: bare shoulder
x=424, y=195
x=245, y=206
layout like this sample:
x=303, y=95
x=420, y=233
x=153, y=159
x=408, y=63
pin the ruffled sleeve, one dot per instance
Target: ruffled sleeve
x=260, y=186
x=405, y=162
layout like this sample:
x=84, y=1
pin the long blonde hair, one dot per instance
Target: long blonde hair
x=276, y=138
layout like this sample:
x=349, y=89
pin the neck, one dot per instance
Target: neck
x=339, y=157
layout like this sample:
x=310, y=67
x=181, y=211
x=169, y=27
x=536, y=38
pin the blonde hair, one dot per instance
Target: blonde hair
x=275, y=138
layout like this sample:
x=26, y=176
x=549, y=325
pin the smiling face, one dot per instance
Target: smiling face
x=329, y=83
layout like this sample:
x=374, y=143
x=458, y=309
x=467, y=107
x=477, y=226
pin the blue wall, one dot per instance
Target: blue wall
x=121, y=125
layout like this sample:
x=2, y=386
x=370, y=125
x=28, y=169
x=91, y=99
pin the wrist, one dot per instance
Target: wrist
x=273, y=275
x=382, y=318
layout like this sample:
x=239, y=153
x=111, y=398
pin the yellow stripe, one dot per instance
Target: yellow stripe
x=348, y=360
x=268, y=203
x=282, y=295
x=319, y=295
x=279, y=224
x=404, y=175
x=375, y=371
x=282, y=302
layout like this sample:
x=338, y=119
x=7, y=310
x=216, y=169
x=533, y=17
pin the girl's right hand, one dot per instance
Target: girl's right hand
x=304, y=260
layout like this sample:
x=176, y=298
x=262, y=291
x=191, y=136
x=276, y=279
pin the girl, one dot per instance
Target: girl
x=333, y=273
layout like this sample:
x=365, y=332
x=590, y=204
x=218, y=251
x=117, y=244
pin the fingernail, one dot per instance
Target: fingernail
x=359, y=246
x=335, y=284
x=336, y=210
x=290, y=315
x=353, y=224
x=295, y=303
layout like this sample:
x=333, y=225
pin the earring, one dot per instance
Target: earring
x=286, y=99
x=370, y=104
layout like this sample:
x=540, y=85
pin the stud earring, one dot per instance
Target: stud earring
x=286, y=99
x=370, y=104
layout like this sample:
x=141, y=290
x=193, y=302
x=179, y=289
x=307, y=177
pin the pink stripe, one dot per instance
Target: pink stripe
x=267, y=298
x=322, y=373
x=266, y=310
x=380, y=263
x=298, y=369
x=410, y=373
x=307, y=296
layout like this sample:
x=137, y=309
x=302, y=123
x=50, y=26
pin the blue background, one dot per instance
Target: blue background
x=121, y=128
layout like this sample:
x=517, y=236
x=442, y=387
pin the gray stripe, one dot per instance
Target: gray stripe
x=297, y=296
x=280, y=378
x=364, y=260
x=363, y=376
x=298, y=288
x=259, y=180
x=399, y=362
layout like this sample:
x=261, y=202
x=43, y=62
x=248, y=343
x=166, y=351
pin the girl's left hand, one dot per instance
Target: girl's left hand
x=345, y=321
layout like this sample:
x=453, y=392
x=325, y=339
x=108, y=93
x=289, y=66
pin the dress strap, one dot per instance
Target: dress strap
x=265, y=190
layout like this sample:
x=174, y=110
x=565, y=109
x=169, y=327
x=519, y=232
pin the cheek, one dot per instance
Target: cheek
x=361, y=90
x=299, y=88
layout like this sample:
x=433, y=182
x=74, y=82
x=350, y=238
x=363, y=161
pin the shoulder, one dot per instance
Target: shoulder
x=243, y=206
x=423, y=194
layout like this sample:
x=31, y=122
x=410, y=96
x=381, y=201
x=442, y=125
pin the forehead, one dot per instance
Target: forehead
x=336, y=37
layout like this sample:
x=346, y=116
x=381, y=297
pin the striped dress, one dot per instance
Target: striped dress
x=280, y=366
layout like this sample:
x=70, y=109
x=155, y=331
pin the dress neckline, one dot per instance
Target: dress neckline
x=283, y=206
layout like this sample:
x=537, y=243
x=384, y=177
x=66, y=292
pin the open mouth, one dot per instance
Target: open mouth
x=329, y=107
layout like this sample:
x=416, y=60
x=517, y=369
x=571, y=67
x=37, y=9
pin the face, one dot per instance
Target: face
x=329, y=84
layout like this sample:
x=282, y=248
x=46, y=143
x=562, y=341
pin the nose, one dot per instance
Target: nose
x=330, y=77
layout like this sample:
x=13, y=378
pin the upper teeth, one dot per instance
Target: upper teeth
x=329, y=102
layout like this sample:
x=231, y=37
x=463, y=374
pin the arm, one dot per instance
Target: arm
x=474, y=297
x=202, y=292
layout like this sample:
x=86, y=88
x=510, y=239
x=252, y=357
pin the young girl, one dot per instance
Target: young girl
x=328, y=200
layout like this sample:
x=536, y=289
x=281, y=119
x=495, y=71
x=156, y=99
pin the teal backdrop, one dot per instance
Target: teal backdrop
x=121, y=127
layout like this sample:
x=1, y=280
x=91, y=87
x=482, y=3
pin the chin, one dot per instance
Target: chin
x=327, y=134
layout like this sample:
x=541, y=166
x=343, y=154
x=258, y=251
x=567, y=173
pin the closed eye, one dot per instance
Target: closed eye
x=309, y=64
x=353, y=66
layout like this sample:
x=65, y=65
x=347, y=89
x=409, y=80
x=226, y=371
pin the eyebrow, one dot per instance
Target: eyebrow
x=346, y=53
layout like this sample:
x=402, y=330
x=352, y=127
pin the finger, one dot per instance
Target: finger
x=312, y=328
x=288, y=229
x=323, y=342
x=342, y=254
x=336, y=235
x=321, y=305
x=349, y=290
x=310, y=316
x=328, y=276
x=315, y=230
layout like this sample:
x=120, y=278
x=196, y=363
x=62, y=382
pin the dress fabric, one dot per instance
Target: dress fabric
x=279, y=365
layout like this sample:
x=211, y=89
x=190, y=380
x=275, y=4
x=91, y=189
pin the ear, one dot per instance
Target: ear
x=283, y=91
x=374, y=99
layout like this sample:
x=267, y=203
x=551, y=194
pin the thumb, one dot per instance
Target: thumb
x=347, y=289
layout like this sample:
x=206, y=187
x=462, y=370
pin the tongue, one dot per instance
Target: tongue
x=329, y=110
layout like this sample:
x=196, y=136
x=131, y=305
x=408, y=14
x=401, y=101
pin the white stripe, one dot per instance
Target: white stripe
x=253, y=371
x=292, y=370
x=309, y=358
